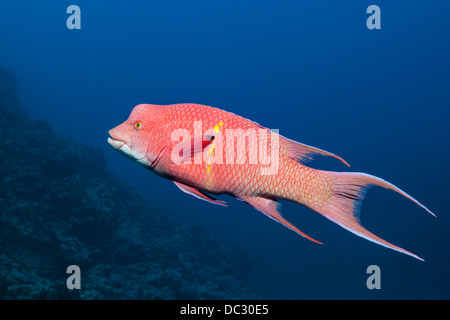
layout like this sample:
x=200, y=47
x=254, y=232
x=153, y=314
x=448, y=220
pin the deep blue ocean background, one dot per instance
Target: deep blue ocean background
x=313, y=70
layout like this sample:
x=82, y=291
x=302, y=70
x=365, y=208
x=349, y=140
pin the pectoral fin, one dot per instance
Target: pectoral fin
x=186, y=150
x=198, y=194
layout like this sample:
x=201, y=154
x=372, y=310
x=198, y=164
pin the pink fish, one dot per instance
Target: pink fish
x=204, y=149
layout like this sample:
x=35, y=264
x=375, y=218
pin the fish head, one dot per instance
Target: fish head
x=138, y=138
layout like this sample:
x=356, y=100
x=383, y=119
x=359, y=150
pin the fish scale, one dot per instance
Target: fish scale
x=147, y=137
x=231, y=175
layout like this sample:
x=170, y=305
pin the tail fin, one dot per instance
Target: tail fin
x=344, y=205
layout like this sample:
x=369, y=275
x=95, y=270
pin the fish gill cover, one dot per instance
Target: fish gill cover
x=60, y=206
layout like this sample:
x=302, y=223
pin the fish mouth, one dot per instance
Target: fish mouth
x=124, y=149
x=116, y=144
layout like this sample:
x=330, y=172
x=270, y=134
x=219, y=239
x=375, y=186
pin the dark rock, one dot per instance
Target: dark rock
x=59, y=206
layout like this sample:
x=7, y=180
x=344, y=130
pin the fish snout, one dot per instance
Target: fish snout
x=114, y=139
x=122, y=140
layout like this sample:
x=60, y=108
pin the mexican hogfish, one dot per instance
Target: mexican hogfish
x=204, y=149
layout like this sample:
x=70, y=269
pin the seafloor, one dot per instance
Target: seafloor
x=60, y=206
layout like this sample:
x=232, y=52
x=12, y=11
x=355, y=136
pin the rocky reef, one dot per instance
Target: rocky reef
x=58, y=207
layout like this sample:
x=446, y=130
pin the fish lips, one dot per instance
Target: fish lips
x=121, y=146
x=116, y=144
x=125, y=150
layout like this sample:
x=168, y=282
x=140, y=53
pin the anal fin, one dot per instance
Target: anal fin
x=270, y=208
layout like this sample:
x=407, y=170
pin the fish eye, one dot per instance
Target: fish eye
x=138, y=125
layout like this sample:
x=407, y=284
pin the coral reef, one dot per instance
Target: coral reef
x=58, y=207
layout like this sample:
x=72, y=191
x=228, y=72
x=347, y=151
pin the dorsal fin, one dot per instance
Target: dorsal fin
x=304, y=153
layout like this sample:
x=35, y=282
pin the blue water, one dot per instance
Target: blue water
x=313, y=70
